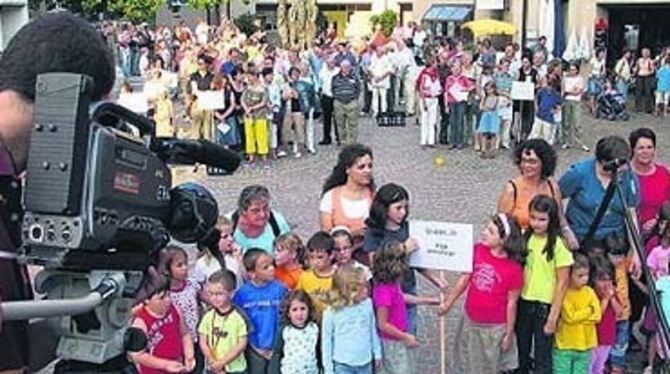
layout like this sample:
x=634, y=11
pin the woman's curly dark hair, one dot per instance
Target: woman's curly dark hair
x=347, y=157
x=544, y=152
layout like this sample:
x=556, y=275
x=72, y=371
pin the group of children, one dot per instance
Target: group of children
x=301, y=309
x=314, y=309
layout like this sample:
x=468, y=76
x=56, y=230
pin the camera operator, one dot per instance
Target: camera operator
x=55, y=42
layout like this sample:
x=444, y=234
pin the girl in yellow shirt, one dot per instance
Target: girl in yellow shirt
x=576, y=333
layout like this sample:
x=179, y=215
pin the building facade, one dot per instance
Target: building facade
x=13, y=15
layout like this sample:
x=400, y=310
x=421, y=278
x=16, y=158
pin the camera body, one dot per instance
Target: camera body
x=96, y=197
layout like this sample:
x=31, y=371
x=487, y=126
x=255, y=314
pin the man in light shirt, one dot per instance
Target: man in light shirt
x=380, y=71
x=325, y=78
x=406, y=71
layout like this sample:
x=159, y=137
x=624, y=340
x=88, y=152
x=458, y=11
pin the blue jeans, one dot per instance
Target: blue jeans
x=348, y=369
x=618, y=352
x=456, y=119
x=622, y=88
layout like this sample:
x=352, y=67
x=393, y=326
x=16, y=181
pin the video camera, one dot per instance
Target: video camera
x=99, y=205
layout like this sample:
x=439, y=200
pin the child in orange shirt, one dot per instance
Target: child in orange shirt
x=289, y=257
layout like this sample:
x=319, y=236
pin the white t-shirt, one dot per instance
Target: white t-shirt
x=204, y=267
x=379, y=67
x=351, y=208
x=573, y=84
x=326, y=78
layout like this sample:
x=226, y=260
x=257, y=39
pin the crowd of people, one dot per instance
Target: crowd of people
x=549, y=292
x=462, y=95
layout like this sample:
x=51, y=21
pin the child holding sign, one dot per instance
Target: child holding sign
x=486, y=331
x=388, y=222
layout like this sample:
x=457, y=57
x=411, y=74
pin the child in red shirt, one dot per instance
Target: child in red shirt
x=486, y=332
x=169, y=345
x=602, y=281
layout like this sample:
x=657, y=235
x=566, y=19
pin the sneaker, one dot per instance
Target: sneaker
x=586, y=149
x=297, y=154
x=281, y=154
x=312, y=151
x=648, y=370
x=565, y=146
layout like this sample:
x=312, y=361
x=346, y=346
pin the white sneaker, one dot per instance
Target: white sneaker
x=297, y=155
x=312, y=151
x=648, y=370
x=281, y=154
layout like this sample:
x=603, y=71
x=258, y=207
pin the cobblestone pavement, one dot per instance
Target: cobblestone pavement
x=463, y=190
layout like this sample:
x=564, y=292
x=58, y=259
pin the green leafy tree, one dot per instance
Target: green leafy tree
x=136, y=10
x=245, y=23
x=205, y=4
x=89, y=8
x=388, y=19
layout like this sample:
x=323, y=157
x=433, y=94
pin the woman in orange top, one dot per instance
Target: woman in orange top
x=536, y=160
x=348, y=191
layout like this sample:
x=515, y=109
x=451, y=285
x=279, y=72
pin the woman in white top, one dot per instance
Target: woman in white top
x=623, y=73
x=596, y=78
x=348, y=191
x=573, y=89
x=380, y=82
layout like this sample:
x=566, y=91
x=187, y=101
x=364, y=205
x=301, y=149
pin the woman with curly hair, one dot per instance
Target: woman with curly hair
x=536, y=161
x=348, y=191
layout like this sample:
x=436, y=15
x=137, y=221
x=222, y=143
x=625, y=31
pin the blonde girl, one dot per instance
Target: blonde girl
x=289, y=252
x=349, y=340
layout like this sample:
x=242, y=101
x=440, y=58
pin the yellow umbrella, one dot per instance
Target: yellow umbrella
x=489, y=27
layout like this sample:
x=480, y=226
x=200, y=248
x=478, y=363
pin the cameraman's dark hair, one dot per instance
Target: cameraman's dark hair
x=612, y=147
x=321, y=241
x=388, y=194
x=224, y=277
x=642, y=132
x=544, y=152
x=250, y=194
x=56, y=42
x=251, y=256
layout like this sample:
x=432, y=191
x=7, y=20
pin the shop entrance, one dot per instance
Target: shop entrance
x=637, y=27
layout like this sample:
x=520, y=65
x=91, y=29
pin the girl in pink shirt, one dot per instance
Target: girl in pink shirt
x=390, y=264
x=486, y=331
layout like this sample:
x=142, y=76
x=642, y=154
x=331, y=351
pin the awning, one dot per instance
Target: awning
x=445, y=12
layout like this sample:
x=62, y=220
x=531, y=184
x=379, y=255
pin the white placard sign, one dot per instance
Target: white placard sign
x=134, y=101
x=523, y=91
x=442, y=245
x=211, y=100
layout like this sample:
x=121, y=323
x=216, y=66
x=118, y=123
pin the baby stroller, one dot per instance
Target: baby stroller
x=611, y=105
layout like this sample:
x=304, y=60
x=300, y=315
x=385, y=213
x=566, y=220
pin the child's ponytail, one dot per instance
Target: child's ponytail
x=510, y=233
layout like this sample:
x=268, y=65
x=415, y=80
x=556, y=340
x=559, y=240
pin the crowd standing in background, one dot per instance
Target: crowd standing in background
x=547, y=293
